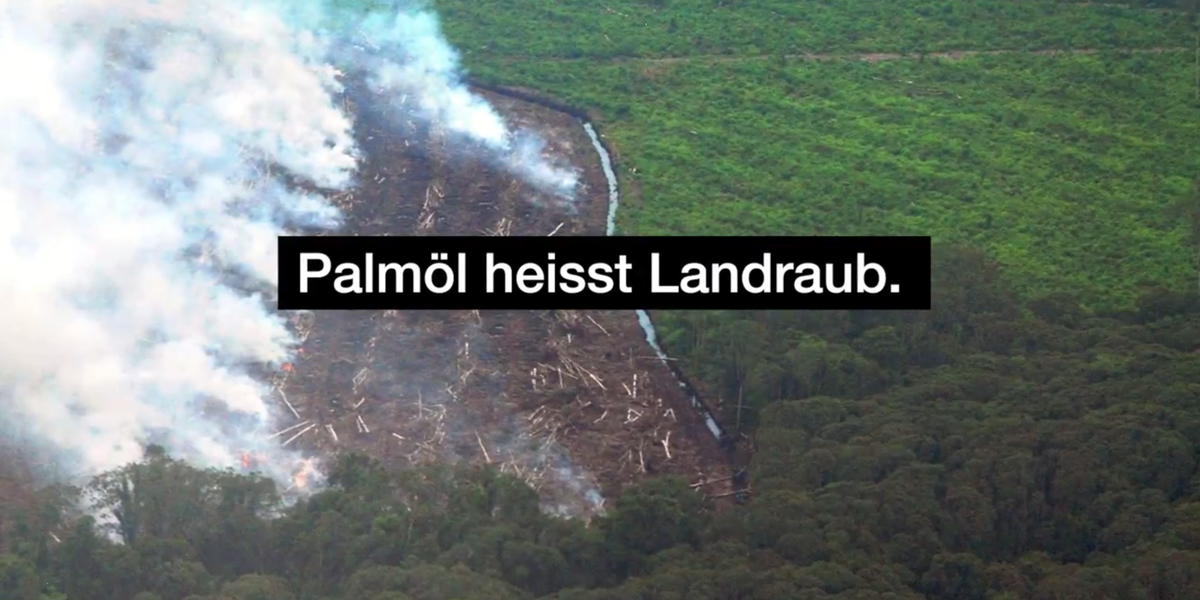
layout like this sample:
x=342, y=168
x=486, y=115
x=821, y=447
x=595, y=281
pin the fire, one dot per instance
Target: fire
x=301, y=478
x=249, y=460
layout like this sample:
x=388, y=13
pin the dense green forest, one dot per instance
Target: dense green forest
x=987, y=450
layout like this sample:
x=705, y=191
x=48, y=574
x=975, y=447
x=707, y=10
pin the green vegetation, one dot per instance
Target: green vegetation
x=1011, y=443
x=970, y=453
x=1065, y=169
x=586, y=29
x=1075, y=172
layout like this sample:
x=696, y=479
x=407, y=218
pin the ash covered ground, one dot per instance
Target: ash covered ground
x=573, y=402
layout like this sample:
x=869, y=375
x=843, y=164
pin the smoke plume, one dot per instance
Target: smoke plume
x=411, y=64
x=142, y=185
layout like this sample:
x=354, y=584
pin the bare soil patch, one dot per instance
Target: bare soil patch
x=573, y=402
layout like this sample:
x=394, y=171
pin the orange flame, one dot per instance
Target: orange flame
x=301, y=477
x=246, y=462
x=287, y=366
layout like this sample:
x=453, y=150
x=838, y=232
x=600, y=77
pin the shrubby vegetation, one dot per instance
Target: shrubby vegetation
x=642, y=28
x=988, y=450
x=1069, y=170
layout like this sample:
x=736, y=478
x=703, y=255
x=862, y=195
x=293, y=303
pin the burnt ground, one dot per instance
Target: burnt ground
x=573, y=402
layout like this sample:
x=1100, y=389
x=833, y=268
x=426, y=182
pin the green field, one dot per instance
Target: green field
x=1074, y=171
x=1070, y=170
x=1064, y=168
x=605, y=29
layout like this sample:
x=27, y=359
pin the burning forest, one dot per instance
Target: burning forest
x=575, y=403
x=156, y=151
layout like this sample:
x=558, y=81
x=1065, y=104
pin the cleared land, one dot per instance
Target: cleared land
x=572, y=402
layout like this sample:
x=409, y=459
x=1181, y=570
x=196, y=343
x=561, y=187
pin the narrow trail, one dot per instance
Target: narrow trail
x=871, y=57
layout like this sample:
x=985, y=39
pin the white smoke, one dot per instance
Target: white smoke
x=413, y=65
x=139, y=142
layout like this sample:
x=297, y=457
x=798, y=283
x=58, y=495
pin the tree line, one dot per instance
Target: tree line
x=994, y=448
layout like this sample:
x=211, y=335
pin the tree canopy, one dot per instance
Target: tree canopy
x=991, y=449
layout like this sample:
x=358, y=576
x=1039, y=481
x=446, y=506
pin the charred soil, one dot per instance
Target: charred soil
x=573, y=402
